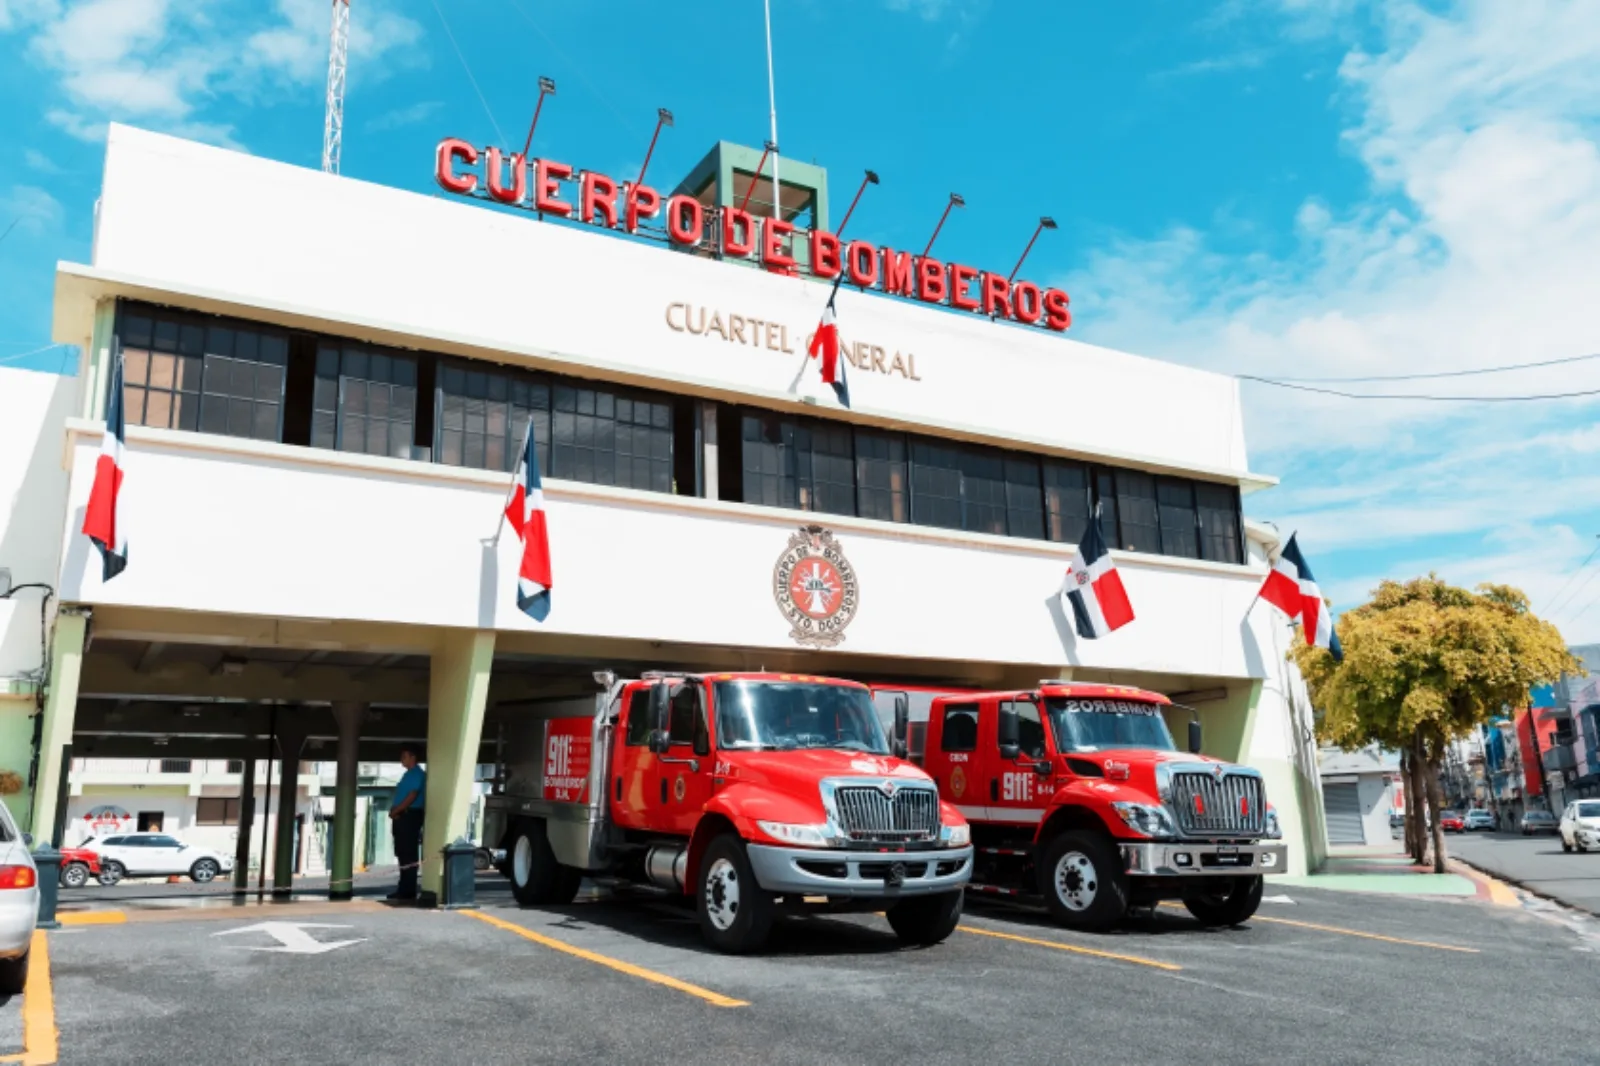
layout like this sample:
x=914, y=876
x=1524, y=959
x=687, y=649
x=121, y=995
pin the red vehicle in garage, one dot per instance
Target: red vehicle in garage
x=752, y=793
x=1077, y=794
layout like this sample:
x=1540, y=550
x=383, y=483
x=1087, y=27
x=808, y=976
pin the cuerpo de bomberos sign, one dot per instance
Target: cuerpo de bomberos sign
x=553, y=188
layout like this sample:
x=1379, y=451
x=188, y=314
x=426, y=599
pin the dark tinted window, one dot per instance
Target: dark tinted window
x=184, y=371
x=687, y=718
x=1105, y=496
x=1066, y=500
x=365, y=400
x=881, y=476
x=1139, y=520
x=960, y=729
x=935, y=484
x=1024, y=499
x=639, y=717
x=1217, y=508
x=1179, y=534
x=807, y=465
x=1030, y=727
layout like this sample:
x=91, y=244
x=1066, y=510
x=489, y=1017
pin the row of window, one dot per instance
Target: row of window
x=196, y=372
x=828, y=467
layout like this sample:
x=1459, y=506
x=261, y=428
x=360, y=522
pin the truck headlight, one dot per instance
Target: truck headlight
x=955, y=836
x=1146, y=818
x=1274, y=830
x=805, y=836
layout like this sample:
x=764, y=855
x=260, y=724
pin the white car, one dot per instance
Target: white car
x=157, y=855
x=1580, y=825
x=19, y=905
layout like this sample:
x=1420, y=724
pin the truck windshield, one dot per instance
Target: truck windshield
x=1092, y=725
x=789, y=715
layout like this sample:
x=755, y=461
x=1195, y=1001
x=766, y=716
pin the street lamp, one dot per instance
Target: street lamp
x=663, y=118
x=870, y=179
x=1044, y=223
x=547, y=87
x=955, y=201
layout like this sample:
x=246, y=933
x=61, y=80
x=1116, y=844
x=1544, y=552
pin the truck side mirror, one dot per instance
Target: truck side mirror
x=902, y=723
x=660, y=707
x=659, y=741
x=1194, y=737
x=1006, y=732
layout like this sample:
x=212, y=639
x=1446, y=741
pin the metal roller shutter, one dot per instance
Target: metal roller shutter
x=1343, y=806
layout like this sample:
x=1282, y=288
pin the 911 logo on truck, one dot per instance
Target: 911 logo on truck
x=567, y=750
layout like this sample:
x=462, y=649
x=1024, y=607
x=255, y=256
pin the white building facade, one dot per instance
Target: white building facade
x=327, y=382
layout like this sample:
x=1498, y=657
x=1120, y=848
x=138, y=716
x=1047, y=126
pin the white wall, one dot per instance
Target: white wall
x=33, y=494
x=238, y=527
x=190, y=218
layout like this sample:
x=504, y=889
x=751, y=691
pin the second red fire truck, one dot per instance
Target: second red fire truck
x=1078, y=796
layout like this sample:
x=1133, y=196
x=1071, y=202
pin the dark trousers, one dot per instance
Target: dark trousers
x=408, y=849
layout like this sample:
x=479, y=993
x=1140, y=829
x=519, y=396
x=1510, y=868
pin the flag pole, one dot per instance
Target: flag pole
x=511, y=490
x=772, y=112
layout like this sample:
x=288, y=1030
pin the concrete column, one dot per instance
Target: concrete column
x=289, y=745
x=348, y=717
x=60, y=708
x=247, y=816
x=708, y=449
x=458, y=688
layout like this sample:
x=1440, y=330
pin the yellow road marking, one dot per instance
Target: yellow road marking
x=1368, y=936
x=1500, y=894
x=39, y=1038
x=93, y=918
x=1059, y=946
x=716, y=999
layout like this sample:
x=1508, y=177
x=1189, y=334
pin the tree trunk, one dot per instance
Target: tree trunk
x=1435, y=800
x=1416, y=809
x=1407, y=822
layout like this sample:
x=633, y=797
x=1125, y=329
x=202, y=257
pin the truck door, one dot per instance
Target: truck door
x=632, y=762
x=951, y=756
x=1017, y=791
x=682, y=776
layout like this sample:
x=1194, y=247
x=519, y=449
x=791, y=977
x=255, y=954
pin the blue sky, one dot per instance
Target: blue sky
x=1307, y=188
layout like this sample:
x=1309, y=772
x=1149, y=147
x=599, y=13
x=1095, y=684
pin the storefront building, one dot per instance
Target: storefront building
x=327, y=383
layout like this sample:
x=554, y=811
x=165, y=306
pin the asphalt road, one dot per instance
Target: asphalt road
x=627, y=981
x=1537, y=863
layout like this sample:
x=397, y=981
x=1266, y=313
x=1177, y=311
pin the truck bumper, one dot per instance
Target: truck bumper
x=859, y=874
x=1169, y=859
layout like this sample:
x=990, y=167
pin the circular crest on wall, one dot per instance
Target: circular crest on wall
x=815, y=587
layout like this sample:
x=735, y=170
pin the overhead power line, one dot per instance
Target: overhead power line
x=1442, y=373
x=1284, y=384
x=1557, y=601
x=468, y=68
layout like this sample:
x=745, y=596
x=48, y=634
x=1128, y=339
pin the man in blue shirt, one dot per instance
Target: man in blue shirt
x=405, y=812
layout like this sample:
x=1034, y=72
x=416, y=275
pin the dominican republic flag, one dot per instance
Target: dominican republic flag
x=1093, y=589
x=1291, y=589
x=102, y=519
x=525, y=512
x=826, y=342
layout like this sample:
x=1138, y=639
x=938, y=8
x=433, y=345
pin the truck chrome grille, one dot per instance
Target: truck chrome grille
x=1225, y=806
x=865, y=814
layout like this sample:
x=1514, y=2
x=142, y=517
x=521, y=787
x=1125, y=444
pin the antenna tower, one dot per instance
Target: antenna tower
x=333, y=123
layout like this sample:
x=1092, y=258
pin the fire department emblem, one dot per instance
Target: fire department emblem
x=958, y=781
x=815, y=587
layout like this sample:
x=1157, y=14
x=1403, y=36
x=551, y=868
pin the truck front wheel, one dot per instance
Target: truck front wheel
x=1082, y=881
x=735, y=912
x=1228, y=901
x=926, y=920
x=536, y=877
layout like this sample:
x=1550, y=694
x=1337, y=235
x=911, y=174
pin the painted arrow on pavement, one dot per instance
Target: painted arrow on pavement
x=292, y=937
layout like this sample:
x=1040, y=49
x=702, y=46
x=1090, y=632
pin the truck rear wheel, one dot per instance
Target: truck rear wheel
x=536, y=877
x=735, y=912
x=1082, y=881
x=926, y=920
x=1226, y=901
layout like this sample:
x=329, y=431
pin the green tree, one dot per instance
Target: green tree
x=1426, y=663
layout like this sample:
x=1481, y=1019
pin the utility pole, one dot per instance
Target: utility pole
x=333, y=119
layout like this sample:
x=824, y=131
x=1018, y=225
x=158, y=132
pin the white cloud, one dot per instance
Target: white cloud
x=401, y=117
x=172, y=65
x=1475, y=247
x=37, y=160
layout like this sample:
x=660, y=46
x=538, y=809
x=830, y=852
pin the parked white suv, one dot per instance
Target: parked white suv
x=157, y=855
x=1580, y=825
x=19, y=905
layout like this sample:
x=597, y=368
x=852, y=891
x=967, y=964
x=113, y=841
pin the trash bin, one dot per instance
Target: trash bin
x=460, y=888
x=48, y=862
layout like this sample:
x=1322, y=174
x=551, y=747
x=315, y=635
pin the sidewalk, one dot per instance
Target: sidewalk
x=1386, y=868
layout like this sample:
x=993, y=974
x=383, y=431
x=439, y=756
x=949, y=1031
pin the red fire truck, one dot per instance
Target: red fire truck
x=752, y=793
x=1077, y=794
